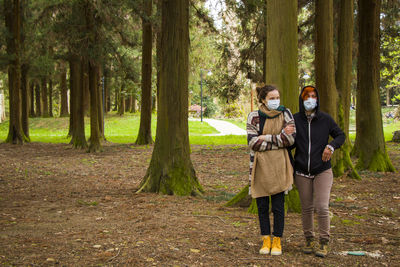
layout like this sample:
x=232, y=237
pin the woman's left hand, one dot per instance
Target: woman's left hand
x=326, y=155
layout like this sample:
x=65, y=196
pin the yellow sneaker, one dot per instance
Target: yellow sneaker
x=266, y=247
x=309, y=247
x=322, y=251
x=276, y=246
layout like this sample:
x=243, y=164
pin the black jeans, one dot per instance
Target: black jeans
x=278, y=209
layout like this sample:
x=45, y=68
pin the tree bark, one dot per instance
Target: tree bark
x=12, y=12
x=85, y=89
x=38, y=99
x=370, y=142
x=121, y=98
x=324, y=62
x=107, y=89
x=25, y=100
x=171, y=170
x=95, y=134
x=64, y=92
x=100, y=106
x=50, y=97
x=144, y=136
x=77, y=123
x=45, y=102
x=32, y=99
x=343, y=81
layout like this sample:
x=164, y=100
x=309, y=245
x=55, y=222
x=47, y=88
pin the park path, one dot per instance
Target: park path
x=224, y=128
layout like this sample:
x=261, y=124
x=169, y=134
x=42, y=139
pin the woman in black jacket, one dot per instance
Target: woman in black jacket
x=313, y=172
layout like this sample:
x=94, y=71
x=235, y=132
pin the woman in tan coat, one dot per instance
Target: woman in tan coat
x=270, y=130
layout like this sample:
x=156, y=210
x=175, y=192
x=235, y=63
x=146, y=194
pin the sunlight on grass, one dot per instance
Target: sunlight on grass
x=124, y=129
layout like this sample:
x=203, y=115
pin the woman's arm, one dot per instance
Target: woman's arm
x=287, y=136
x=255, y=141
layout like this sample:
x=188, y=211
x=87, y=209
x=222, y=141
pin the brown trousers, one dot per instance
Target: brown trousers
x=314, y=196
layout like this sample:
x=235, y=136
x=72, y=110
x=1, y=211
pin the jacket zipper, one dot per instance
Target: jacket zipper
x=309, y=145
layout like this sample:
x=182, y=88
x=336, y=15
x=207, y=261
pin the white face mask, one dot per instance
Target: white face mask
x=273, y=104
x=310, y=103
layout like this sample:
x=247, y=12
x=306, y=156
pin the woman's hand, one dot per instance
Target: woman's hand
x=289, y=129
x=327, y=154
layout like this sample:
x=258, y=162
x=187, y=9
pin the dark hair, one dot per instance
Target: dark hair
x=263, y=90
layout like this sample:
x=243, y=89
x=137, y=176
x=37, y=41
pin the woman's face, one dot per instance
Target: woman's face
x=273, y=95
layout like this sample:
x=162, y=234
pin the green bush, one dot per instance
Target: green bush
x=232, y=111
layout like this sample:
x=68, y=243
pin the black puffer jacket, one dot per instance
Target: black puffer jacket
x=312, y=138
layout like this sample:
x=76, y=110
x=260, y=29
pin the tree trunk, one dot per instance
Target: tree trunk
x=144, y=135
x=342, y=160
x=38, y=99
x=121, y=97
x=12, y=12
x=45, y=102
x=171, y=170
x=77, y=122
x=32, y=99
x=128, y=103
x=107, y=89
x=64, y=92
x=95, y=134
x=50, y=97
x=324, y=62
x=370, y=142
x=133, y=110
x=116, y=98
x=85, y=89
x=25, y=100
x=281, y=70
x=100, y=106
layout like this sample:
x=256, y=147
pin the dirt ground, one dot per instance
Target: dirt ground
x=60, y=206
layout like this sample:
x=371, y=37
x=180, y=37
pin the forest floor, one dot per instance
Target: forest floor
x=61, y=206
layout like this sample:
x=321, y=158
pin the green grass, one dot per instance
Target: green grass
x=125, y=129
x=117, y=129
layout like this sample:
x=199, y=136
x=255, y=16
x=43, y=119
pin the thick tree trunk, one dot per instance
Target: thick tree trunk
x=77, y=127
x=32, y=99
x=44, y=95
x=25, y=100
x=95, y=134
x=343, y=81
x=12, y=12
x=38, y=99
x=370, y=142
x=64, y=92
x=171, y=170
x=324, y=62
x=144, y=135
x=281, y=70
x=50, y=97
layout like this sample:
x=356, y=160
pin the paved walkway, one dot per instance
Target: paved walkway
x=224, y=128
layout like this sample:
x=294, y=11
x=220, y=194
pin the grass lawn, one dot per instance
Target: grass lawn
x=124, y=130
x=117, y=130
